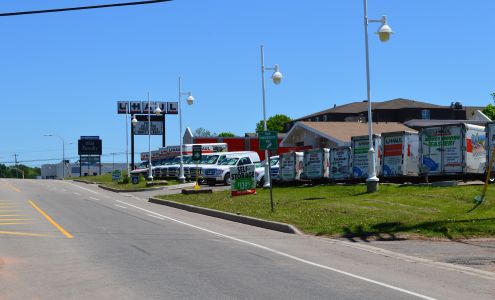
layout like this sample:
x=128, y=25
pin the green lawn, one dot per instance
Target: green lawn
x=106, y=180
x=347, y=211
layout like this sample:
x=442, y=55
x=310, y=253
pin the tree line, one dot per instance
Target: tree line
x=17, y=170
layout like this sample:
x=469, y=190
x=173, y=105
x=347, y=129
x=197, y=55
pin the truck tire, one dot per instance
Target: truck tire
x=226, y=179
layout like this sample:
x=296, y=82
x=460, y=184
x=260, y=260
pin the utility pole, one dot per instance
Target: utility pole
x=15, y=160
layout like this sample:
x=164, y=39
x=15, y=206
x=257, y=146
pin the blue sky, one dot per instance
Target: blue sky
x=63, y=73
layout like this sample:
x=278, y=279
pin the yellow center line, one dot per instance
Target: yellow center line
x=67, y=234
x=22, y=233
x=10, y=220
x=1, y=216
x=8, y=210
x=13, y=223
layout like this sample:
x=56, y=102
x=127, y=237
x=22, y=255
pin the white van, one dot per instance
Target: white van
x=221, y=172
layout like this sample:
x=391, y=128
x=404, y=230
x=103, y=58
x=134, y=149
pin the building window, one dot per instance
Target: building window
x=325, y=118
x=317, y=119
x=425, y=114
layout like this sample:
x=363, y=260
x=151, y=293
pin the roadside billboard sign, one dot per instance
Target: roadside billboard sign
x=243, y=180
x=141, y=128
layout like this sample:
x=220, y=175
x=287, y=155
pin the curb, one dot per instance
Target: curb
x=164, y=187
x=83, y=181
x=129, y=190
x=276, y=226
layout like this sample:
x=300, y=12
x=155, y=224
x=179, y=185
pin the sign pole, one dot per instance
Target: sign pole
x=270, y=178
x=132, y=145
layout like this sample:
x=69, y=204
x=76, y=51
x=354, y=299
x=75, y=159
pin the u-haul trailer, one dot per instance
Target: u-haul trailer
x=400, y=157
x=340, y=164
x=360, y=148
x=316, y=164
x=457, y=149
x=291, y=166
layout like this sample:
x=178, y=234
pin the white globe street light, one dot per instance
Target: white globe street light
x=384, y=32
x=277, y=76
x=190, y=99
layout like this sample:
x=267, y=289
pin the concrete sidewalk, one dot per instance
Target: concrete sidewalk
x=476, y=253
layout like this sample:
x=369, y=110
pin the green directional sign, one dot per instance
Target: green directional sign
x=196, y=155
x=268, y=140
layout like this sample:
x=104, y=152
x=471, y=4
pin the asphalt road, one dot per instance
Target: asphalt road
x=64, y=240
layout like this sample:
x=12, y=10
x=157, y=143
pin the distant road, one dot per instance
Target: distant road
x=66, y=240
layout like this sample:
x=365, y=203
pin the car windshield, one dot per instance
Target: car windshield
x=209, y=159
x=143, y=165
x=187, y=160
x=174, y=161
x=229, y=161
x=273, y=161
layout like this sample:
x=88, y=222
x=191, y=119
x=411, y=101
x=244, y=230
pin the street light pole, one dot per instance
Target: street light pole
x=384, y=32
x=63, y=152
x=182, y=178
x=150, y=172
x=190, y=101
x=127, y=139
x=276, y=77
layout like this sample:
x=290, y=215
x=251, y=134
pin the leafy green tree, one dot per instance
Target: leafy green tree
x=201, y=132
x=274, y=123
x=226, y=134
x=489, y=111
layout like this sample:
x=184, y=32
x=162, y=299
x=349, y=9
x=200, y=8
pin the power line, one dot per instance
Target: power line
x=18, y=13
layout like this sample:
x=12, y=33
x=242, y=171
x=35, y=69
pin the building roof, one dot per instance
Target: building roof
x=418, y=123
x=361, y=107
x=341, y=132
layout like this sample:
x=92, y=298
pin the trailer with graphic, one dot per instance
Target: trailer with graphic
x=291, y=166
x=400, y=157
x=360, y=148
x=490, y=139
x=316, y=164
x=457, y=149
x=340, y=164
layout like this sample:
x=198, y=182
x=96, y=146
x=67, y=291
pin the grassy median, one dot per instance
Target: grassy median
x=394, y=212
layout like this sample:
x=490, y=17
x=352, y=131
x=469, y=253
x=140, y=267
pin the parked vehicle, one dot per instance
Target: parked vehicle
x=291, y=166
x=340, y=163
x=221, y=172
x=360, y=147
x=260, y=170
x=316, y=164
x=196, y=169
x=458, y=149
x=490, y=139
x=400, y=156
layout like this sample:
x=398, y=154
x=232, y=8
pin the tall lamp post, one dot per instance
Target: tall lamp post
x=276, y=78
x=384, y=32
x=158, y=112
x=190, y=101
x=63, y=152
